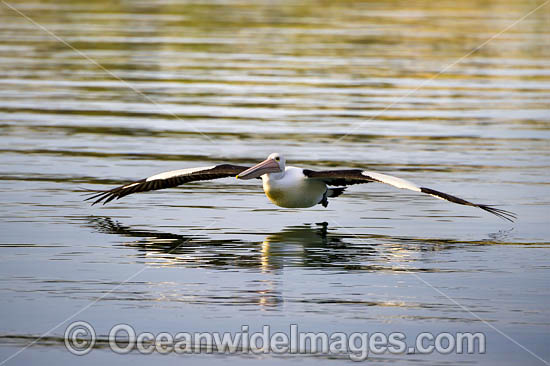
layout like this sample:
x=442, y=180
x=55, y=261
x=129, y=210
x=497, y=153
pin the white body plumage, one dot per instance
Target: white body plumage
x=292, y=189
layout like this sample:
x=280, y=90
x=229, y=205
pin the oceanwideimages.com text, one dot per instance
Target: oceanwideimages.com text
x=80, y=339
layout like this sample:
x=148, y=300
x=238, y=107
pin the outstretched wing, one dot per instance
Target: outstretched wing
x=166, y=180
x=356, y=176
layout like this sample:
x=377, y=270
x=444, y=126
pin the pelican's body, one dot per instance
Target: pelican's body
x=292, y=189
x=285, y=186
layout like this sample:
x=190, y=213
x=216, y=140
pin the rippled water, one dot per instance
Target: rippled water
x=329, y=84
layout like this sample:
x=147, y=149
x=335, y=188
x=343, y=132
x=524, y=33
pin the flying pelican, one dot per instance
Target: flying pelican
x=285, y=186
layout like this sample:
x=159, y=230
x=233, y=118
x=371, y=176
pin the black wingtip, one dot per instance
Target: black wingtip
x=503, y=214
x=95, y=194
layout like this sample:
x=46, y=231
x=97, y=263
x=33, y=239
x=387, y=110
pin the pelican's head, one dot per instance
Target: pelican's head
x=275, y=163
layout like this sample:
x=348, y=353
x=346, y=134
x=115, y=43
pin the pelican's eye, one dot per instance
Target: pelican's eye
x=277, y=158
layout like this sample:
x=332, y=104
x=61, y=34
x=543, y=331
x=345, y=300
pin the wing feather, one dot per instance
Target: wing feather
x=165, y=180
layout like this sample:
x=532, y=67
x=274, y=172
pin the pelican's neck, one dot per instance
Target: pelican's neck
x=273, y=176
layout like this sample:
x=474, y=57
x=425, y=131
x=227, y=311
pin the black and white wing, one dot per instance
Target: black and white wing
x=357, y=176
x=166, y=180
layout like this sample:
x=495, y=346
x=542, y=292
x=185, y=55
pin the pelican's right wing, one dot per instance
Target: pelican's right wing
x=356, y=176
x=166, y=180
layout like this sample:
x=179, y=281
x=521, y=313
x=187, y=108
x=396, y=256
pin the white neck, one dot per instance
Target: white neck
x=273, y=176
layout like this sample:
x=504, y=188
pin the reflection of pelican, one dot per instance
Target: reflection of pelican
x=308, y=245
x=291, y=246
x=285, y=186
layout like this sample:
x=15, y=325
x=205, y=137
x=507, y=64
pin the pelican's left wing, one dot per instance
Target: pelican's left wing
x=357, y=176
x=166, y=180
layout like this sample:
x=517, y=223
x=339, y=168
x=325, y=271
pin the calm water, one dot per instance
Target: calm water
x=330, y=84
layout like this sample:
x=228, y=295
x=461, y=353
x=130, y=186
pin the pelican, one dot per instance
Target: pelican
x=285, y=186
